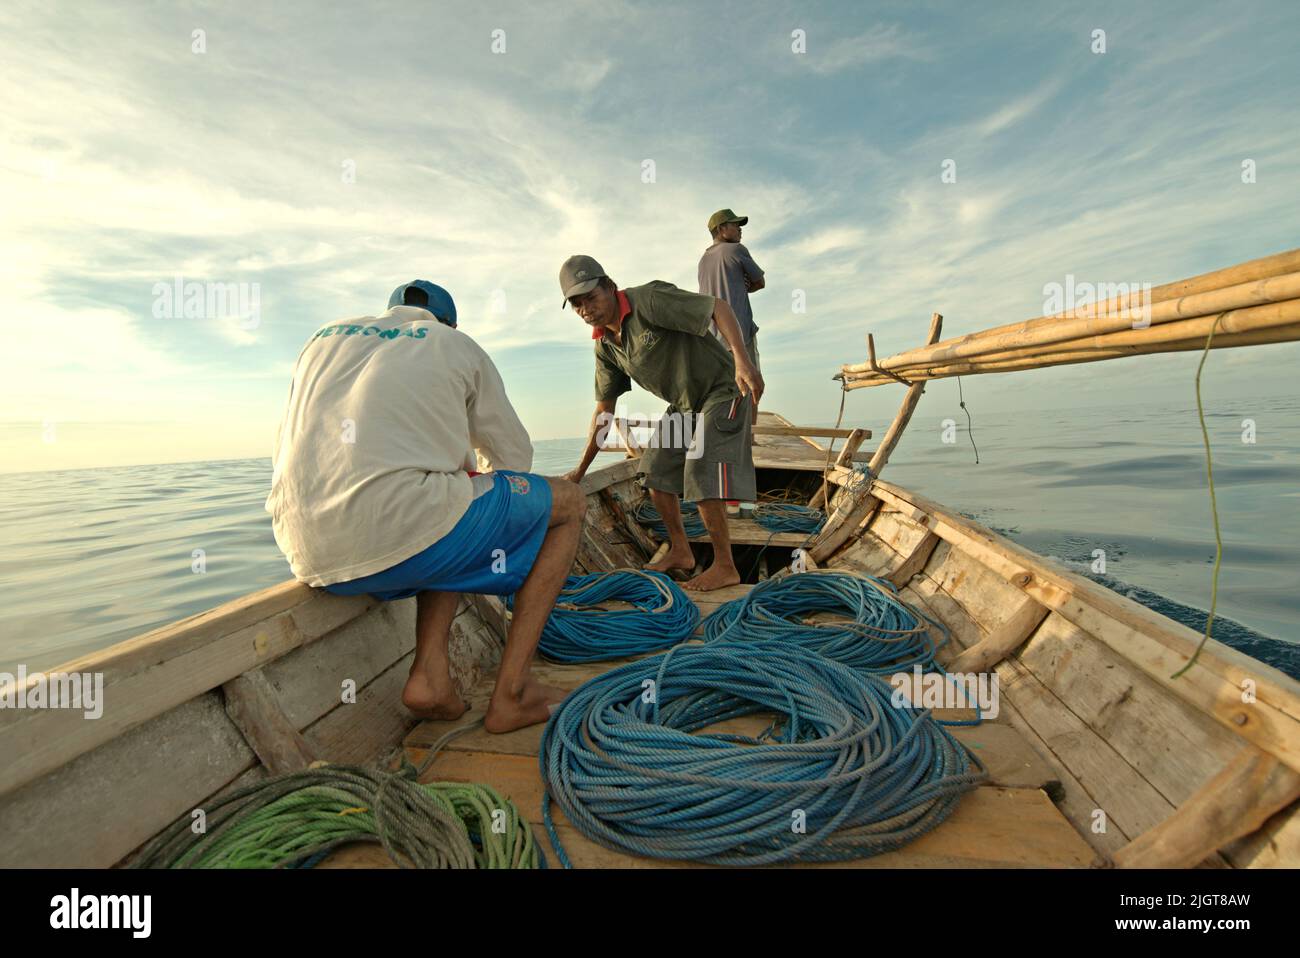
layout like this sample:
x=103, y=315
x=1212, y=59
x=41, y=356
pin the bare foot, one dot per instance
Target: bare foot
x=433, y=699
x=532, y=706
x=714, y=577
x=673, y=560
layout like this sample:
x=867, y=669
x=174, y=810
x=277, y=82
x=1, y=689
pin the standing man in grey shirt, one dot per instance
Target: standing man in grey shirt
x=729, y=273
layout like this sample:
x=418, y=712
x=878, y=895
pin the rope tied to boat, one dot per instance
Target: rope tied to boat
x=848, y=775
x=580, y=629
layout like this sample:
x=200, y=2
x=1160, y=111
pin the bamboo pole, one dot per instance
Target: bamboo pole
x=1243, y=320
x=1289, y=332
x=843, y=523
x=905, y=410
x=1092, y=320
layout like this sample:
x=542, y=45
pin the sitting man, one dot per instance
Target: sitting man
x=374, y=491
x=660, y=336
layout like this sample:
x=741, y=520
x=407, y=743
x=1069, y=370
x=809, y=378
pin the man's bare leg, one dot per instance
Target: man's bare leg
x=519, y=699
x=679, y=555
x=723, y=571
x=430, y=692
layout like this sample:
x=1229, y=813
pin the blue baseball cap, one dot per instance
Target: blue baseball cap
x=428, y=296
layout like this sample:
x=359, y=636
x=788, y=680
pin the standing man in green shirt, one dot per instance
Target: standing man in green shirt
x=661, y=337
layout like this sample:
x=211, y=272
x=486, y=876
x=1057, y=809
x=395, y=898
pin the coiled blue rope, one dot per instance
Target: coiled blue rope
x=646, y=514
x=848, y=776
x=788, y=517
x=579, y=630
x=862, y=622
x=867, y=628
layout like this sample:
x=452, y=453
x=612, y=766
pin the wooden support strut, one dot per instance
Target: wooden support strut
x=644, y=541
x=915, y=561
x=1002, y=641
x=905, y=410
x=1233, y=803
x=875, y=367
x=843, y=460
x=835, y=534
x=252, y=706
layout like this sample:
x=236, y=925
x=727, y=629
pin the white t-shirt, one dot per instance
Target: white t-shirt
x=371, y=458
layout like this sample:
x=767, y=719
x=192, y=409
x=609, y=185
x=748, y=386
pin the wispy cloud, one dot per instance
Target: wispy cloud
x=830, y=53
x=362, y=154
x=1018, y=109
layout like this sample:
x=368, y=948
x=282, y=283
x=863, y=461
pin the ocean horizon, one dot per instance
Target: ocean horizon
x=90, y=557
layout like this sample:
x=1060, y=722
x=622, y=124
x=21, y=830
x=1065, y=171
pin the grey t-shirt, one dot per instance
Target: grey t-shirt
x=724, y=267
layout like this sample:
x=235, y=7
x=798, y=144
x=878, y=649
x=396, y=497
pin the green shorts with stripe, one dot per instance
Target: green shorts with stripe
x=708, y=455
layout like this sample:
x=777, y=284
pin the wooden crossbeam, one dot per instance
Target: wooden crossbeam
x=915, y=561
x=1233, y=803
x=1003, y=640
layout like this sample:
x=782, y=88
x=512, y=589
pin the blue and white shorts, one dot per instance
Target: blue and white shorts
x=489, y=551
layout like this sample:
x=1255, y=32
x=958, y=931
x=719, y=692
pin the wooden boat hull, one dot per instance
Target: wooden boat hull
x=1098, y=756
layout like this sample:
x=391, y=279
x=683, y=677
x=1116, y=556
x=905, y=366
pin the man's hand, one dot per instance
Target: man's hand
x=575, y=475
x=749, y=380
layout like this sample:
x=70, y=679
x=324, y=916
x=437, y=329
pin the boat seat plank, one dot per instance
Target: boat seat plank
x=710, y=602
x=749, y=532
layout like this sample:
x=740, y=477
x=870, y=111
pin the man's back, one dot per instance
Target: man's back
x=371, y=458
x=722, y=274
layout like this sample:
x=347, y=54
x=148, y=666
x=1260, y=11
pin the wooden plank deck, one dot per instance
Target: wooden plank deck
x=747, y=532
x=791, y=452
x=1011, y=822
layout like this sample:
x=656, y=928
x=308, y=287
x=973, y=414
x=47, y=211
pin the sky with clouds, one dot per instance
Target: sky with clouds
x=327, y=153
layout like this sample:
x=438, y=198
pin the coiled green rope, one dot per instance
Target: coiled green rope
x=298, y=818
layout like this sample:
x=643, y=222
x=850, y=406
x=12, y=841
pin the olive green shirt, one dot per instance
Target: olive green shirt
x=667, y=347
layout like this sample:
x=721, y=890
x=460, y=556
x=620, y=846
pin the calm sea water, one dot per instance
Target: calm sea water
x=91, y=557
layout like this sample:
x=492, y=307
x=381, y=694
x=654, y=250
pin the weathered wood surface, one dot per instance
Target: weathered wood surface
x=148, y=676
x=1159, y=748
x=1154, y=644
x=1233, y=803
x=251, y=704
x=94, y=810
x=1002, y=640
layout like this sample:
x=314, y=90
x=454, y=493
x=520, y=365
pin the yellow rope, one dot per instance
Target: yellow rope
x=1214, y=506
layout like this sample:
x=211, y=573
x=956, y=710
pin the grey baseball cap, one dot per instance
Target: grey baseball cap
x=578, y=276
